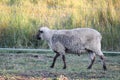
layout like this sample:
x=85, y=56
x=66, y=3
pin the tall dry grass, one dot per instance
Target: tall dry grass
x=20, y=19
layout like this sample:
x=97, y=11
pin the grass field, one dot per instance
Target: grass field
x=35, y=66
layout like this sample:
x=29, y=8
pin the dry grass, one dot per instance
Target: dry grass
x=62, y=77
x=19, y=19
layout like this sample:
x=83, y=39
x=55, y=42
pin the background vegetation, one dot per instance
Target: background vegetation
x=20, y=20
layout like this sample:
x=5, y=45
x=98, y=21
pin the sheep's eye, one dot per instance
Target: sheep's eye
x=41, y=31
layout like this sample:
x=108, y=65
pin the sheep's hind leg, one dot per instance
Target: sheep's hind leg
x=54, y=60
x=102, y=57
x=103, y=60
x=92, y=57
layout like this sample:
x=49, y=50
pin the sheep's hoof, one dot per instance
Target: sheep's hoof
x=105, y=68
x=51, y=66
x=89, y=67
x=64, y=67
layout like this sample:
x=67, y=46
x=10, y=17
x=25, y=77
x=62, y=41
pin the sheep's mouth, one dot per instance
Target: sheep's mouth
x=38, y=38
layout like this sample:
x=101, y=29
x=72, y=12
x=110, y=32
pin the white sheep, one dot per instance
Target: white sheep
x=73, y=41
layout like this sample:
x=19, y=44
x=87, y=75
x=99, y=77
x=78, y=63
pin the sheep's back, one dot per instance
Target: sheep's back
x=76, y=39
x=81, y=34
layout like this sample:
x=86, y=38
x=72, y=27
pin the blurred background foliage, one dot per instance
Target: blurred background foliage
x=20, y=20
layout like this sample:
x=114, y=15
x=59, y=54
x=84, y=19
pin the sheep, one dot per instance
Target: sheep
x=73, y=41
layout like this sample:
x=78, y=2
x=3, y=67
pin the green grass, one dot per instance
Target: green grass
x=37, y=65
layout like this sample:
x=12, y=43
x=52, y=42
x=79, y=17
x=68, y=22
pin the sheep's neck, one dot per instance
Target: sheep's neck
x=49, y=36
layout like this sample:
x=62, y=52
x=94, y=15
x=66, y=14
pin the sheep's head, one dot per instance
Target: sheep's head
x=42, y=33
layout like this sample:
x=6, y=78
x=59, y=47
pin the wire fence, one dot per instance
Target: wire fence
x=41, y=51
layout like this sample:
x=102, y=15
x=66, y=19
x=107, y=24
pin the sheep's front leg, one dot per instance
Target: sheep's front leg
x=64, y=61
x=54, y=60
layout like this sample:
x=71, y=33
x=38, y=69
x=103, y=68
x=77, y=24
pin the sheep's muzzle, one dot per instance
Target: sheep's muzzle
x=38, y=37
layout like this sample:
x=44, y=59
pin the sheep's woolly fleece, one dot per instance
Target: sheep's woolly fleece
x=74, y=40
